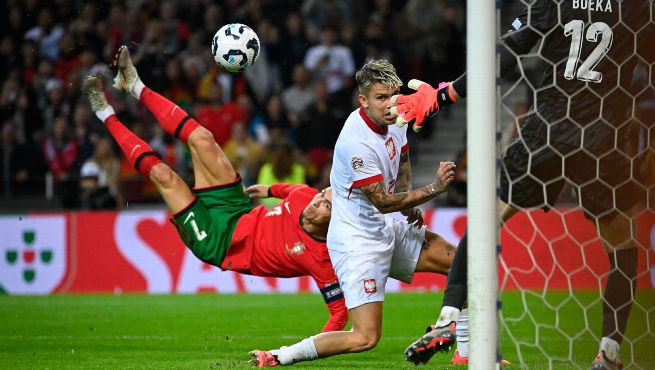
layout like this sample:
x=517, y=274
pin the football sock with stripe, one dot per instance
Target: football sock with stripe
x=172, y=118
x=138, y=152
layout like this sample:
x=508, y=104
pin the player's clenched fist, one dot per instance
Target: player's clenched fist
x=258, y=191
x=423, y=103
x=445, y=175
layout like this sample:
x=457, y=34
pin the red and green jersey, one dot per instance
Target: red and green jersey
x=273, y=243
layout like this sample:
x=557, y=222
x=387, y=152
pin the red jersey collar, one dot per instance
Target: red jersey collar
x=372, y=125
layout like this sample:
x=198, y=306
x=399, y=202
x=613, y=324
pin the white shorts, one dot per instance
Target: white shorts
x=364, y=269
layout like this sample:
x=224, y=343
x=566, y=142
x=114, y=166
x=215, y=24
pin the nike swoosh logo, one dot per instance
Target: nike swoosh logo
x=137, y=146
x=286, y=205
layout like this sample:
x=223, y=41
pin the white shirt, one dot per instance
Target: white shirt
x=340, y=65
x=364, y=154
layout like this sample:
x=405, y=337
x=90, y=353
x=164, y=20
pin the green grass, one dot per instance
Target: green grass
x=216, y=331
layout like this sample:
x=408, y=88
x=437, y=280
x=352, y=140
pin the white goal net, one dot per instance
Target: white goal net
x=577, y=138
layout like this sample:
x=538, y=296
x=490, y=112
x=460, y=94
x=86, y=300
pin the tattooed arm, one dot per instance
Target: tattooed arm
x=404, y=182
x=386, y=203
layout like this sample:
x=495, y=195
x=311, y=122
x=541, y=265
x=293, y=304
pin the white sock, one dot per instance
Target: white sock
x=105, y=113
x=138, y=89
x=462, y=332
x=447, y=315
x=611, y=348
x=302, y=351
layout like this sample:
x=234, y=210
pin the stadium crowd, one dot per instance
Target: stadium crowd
x=277, y=121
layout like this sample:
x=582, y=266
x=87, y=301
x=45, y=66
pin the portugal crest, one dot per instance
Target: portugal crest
x=297, y=249
x=32, y=254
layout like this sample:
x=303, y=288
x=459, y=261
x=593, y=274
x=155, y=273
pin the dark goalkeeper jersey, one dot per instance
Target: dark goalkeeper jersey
x=589, y=50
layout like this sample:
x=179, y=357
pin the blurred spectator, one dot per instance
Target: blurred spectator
x=282, y=167
x=84, y=139
x=21, y=166
x=457, y=189
x=331, y=63
x=178, y=88
x=319, y=14
x=255, y=120
x=276, y=119
x=60, y=151
x=47, y=34
x=321, y=123
x=219, y=117
x=99, y=178
x=56, y=104
x=244, y=153
x=175, y=31
x=295, y=46
x=299, y=96
x=264, y=76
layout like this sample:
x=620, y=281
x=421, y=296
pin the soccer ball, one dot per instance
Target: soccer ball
x=235, y=46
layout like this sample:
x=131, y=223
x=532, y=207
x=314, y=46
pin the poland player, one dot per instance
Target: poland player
x=370, y=177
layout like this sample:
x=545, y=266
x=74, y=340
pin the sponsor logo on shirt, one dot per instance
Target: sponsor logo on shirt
x=391, y=148
x=357, y=163
x=369, y=286
x=297, y=249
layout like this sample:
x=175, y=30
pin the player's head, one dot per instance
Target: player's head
x=319, y=210
x=377, y=82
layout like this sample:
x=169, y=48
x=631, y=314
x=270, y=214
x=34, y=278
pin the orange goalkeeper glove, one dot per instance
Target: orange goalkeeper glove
x=425, y=102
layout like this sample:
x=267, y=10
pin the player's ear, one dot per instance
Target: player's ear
x=363, y=100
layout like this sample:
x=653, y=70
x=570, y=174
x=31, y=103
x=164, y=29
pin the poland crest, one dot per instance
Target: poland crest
x=32, y=253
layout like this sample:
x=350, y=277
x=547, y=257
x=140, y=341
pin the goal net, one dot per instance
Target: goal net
x=577, y=141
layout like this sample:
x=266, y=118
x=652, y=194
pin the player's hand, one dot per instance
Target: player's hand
x=257, y=191
x=417, y=106
x=445, y=175
x=414, y=216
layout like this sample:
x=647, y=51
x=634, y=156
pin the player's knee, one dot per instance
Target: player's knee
x=163, y=175
x=366, y=341
x=201, y=138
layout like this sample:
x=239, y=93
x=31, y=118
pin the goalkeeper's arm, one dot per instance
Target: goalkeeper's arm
x=513, y=44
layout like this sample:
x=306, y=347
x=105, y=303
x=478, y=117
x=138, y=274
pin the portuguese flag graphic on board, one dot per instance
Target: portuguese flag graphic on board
x=33, y=253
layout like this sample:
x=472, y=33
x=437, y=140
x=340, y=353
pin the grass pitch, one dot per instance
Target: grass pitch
x=216, y=331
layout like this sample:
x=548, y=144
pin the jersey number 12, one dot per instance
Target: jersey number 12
x=575, y=29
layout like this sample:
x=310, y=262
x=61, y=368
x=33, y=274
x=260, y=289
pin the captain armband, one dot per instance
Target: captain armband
x=332, y=292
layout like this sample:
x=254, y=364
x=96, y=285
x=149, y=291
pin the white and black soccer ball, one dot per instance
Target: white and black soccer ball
x=235, y=46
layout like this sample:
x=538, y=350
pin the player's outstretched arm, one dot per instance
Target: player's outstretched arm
x=387, y=203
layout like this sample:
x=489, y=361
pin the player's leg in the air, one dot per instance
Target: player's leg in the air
x=172, y=188
x=211, y=166
x=206, y=223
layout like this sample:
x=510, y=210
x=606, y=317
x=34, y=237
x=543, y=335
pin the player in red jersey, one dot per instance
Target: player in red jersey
x=216, y=219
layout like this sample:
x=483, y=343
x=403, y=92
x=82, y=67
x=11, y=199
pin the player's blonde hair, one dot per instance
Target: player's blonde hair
x=377, y=71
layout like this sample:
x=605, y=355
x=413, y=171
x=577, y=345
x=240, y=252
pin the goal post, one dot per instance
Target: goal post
x=481, y=123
